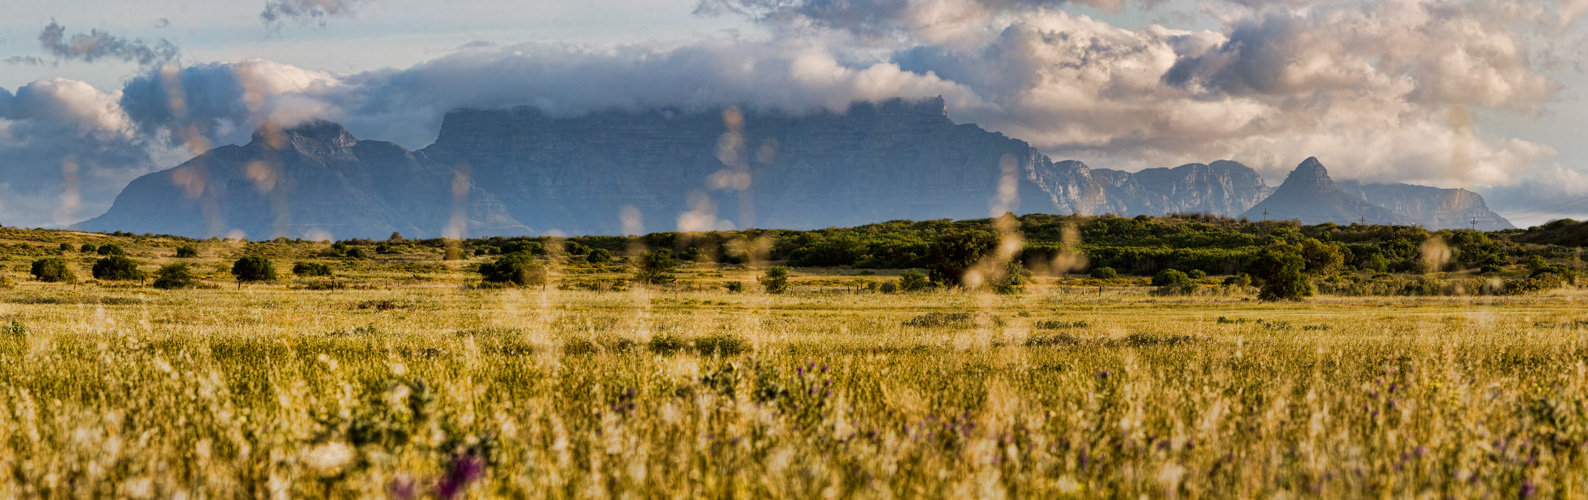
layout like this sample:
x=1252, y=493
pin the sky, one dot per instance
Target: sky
x=1486, y=95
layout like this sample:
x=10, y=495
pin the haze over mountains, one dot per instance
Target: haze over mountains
x=523, y=172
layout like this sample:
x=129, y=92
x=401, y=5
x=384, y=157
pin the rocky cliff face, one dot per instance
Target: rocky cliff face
x=1311, y=196
x=723, y=169
x=1431, y=207
x=521, y=171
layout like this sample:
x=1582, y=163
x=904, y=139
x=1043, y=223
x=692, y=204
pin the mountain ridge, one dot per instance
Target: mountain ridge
x=520, y=171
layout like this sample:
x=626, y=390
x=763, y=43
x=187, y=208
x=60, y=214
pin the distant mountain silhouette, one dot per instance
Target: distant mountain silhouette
x=1309, y=195
x=522, y=172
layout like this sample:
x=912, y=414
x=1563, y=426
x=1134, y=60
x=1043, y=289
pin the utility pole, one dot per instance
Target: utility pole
x=1265, y=215
x=1474, y=223
x=1364, y=220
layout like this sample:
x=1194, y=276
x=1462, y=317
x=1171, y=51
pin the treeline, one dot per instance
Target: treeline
x=1140, y=245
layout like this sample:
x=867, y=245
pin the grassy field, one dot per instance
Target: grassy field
x=404, y=382
x=427, y=389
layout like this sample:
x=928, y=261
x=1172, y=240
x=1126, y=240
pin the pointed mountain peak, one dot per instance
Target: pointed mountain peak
x=312, y=137
x=1310, y=173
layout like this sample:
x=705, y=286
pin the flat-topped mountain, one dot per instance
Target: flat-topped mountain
x=315, y=180
x=523, y=172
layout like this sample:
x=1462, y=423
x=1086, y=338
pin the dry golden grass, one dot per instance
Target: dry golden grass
x=423, y=386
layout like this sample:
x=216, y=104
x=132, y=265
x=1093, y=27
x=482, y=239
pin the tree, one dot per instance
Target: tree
x=187, y=252
x=53, y=270
x=110, y=249
x=310, y=269
x=172, y=276
x=395, y=236
x=599, y=256
x=775, y=280
x=252, y=269
x=656, y=267
x=1322, y=259
x=87, y=247
x=117, y=268
x=1282, y=277
x=517, y=268
x=67, y=247
x=953, y=254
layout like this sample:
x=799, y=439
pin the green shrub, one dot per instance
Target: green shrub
x=888, y=287
x=1058, y=325
x=775, y=280
x=734, y=286
x=1197, y=274
x=1170, y=277
x=518, y=268
x=656, y=267
x=954, y=320
x=53, y=270
x=665, y=343
x=1104, y=273
x=187, y=252
x=1282, y=277
x=599, y=256
x=1061, y=339
x=67, y=247
x=172, y=276
x=721, y=344
x=117, y=268
x=87, y=247
x=308, y=269
x=110, y=249
x=914, y=281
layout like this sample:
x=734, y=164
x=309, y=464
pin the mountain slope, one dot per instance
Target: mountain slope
x=1431, y=207
x=725, y=169
x=1309, y=195
x=523, y=172
x=313, y=180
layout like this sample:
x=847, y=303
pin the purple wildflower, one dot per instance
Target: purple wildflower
x=466, y=468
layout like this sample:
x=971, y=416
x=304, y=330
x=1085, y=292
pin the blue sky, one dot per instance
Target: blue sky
x=1480, y=94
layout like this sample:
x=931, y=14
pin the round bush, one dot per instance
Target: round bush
x=174, y=276
x=53, y=270
x=251, y=269
x=1104, y=273
x=117, y=268
x=1171, y=277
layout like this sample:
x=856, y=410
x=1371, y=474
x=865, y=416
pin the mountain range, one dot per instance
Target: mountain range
x=521, y=171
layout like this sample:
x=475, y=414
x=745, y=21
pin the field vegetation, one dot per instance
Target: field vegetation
x=717, y=365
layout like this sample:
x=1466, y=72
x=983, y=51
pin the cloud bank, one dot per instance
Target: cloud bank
x=1379, y=90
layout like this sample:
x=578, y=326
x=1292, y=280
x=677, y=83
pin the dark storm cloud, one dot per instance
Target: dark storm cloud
x=96, y=45
x=305, y=11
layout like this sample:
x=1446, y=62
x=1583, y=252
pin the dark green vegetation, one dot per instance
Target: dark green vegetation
x=252, y=269
x=1276, y=259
